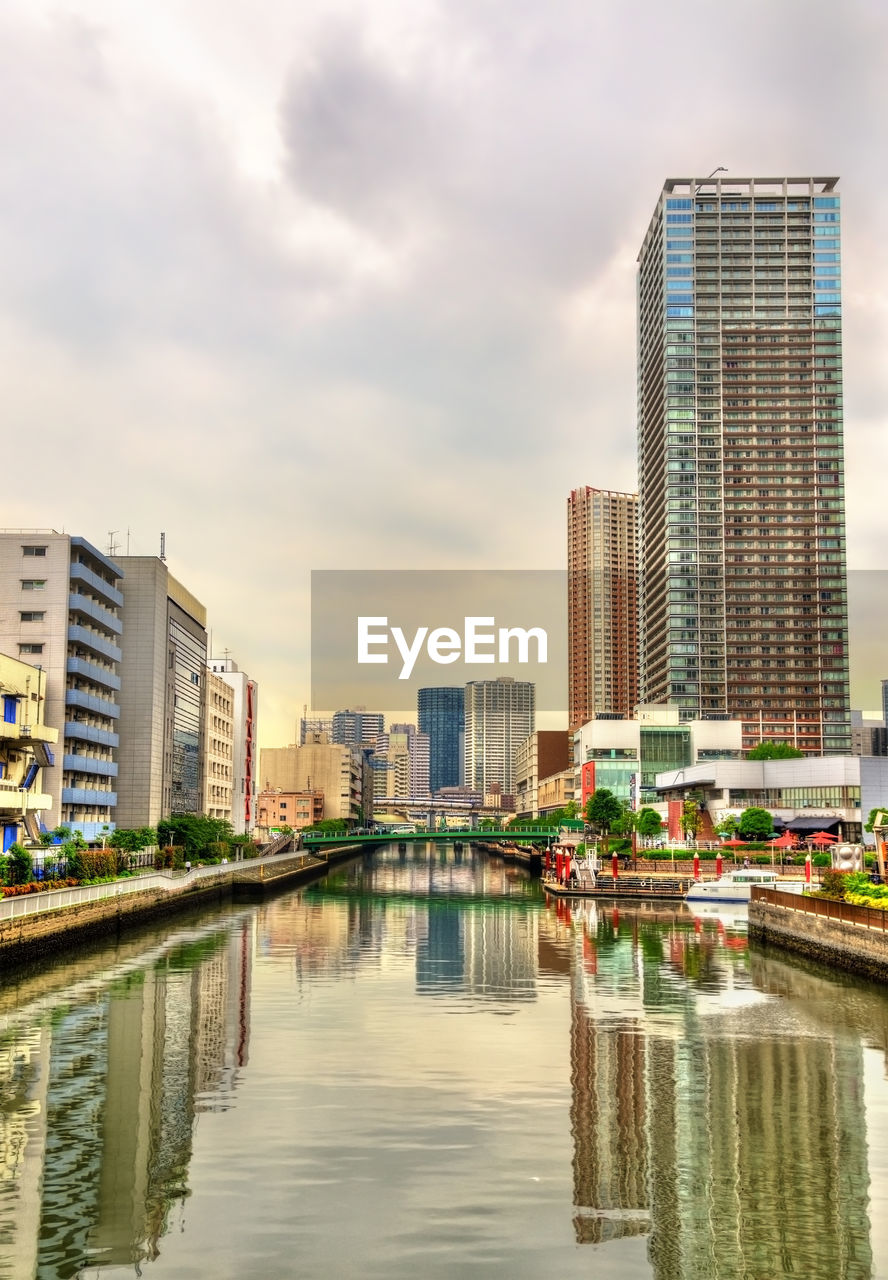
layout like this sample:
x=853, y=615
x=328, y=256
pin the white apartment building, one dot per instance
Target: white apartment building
x=245, y=745
x=60, y=611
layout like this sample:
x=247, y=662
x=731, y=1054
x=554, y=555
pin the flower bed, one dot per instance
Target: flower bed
x=36, y=886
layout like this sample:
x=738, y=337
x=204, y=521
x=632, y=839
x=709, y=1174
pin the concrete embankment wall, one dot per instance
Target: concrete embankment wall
x=24, y=938
x=835, y=942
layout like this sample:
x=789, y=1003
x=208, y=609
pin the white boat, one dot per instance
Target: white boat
x=736, y=886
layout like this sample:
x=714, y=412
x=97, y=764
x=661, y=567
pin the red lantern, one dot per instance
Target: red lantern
x=696, y=866
x=615, y=866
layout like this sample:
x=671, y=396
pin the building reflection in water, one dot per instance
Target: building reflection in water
x=471, y=921
x=99, y=1089
x=700, y=1107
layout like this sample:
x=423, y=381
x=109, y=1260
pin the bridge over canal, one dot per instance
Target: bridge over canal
x=544, y=836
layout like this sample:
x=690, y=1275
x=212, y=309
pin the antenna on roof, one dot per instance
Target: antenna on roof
x=163, y=546
x=721, y=169
x=111, y=545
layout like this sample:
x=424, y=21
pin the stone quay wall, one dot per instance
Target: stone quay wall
x=51, y=931
x=839, y=943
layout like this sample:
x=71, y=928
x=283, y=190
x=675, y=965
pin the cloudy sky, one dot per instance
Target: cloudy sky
x=344, y=285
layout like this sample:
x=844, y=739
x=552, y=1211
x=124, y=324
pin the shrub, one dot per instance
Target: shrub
x=834, y=883
x=93, y=864
x=171, y=856
x=20, y=866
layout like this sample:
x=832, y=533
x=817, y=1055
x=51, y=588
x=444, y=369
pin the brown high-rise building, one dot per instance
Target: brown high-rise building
x=743, y=605
x=602, y=628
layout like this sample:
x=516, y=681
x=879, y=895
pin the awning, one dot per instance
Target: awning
x=813, y=824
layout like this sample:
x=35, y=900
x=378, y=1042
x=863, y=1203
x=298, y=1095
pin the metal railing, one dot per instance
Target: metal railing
x=829, y=908
x=30, y=904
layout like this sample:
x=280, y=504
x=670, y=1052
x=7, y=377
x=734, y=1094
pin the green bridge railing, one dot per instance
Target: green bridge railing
x=546, y=835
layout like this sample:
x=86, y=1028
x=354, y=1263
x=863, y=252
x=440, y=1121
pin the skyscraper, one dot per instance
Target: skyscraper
x=405, y=754
x=602, y=611
x=357, y=728
x=442, y=717
x=500, y=714
x=743, y=605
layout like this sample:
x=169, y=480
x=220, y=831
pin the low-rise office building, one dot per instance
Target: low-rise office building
x=334, y=769
x=818, y=793
x=625, y=756
x=295, y=809
x=541, y=754
x=556, y=791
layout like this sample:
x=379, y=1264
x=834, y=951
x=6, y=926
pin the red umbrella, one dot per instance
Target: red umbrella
x=786, y=841
x=734, y=843
x=822, y=837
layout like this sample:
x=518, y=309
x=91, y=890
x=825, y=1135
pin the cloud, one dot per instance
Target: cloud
x=354, y=286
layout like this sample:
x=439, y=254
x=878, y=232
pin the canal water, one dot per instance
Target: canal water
x=420, y=1067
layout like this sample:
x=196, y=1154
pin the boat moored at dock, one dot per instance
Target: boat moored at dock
x=736, y=886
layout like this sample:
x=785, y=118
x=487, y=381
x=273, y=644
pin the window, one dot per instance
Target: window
x=30, y=648
x=33, y=551
x=10, y=706
x=32, y=615
x=33, y=584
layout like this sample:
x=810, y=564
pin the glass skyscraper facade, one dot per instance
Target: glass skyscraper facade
x=441, y=715
x=743, y=601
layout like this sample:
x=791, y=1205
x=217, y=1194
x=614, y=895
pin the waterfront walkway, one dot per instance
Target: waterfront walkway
x=164, y=882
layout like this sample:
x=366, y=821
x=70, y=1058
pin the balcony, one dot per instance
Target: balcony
x=99, y=675
x=13, y=799
x=90, y=733
x=84, y=796
x=90, y=764
x=80, y=573
x=34, y=732
x=74, y=698
x=81, y=636
x=82, y=604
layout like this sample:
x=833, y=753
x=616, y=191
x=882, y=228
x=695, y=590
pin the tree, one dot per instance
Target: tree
x=193, y=832
x=328, y=827
x=571, y=809
x=755, y=824
x=602, y=810
x=649, y=823
x=20, y=866
x=627, y=821
x=133, y=839
x=871, y=820
x=691, y=822
x=768, y=750
x=728, y=826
